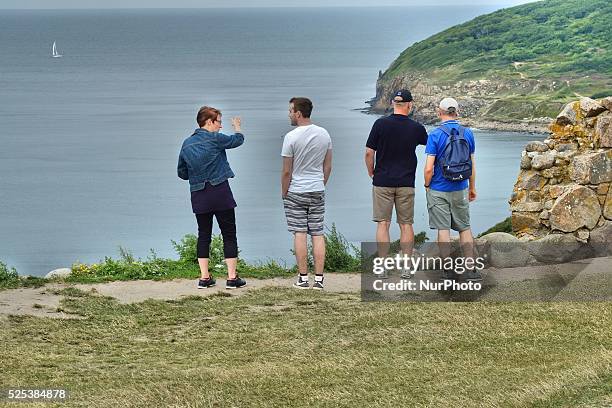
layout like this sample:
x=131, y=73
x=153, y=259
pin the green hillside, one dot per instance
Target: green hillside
x=555, y=38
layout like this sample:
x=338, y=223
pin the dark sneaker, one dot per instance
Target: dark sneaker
x=235, y=283
x=318, y=284
x=302, y=282
x=472, y=276
x=206, y=283
x=448, y=274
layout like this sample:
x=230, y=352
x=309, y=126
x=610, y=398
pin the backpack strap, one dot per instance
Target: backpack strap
x=445, y=129
x=461, y=132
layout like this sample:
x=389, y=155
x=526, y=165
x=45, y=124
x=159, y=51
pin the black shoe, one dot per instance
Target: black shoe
x=448, y=274
x=302, y=282
x=318, y=284
x=206, y=283
x=235, y=283
x=472, y=276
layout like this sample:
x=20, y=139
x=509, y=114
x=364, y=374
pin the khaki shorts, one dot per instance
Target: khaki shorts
x=384, y=198
x=448, y=210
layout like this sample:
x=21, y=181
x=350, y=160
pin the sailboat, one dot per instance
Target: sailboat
x=54, y=52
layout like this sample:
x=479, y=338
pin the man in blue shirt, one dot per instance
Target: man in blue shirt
x=448, y=201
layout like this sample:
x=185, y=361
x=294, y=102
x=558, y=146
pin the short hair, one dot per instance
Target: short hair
x=451, y=111
x=302, y=105
x=205, y=113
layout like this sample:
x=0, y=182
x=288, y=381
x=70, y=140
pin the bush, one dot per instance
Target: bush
x=9, y=279
x=127, y=267
x=187, y=252
x=601, y=94
x=187, y=248
x=7, y=274
x=340, y=255
x=504, y=226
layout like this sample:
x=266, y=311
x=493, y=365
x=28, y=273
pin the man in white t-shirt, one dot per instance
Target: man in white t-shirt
x=307, y=158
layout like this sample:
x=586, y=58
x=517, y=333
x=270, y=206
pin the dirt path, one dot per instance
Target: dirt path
x=45, y=301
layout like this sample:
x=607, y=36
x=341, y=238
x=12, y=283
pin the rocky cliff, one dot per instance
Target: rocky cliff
x=483, y=102
x=564, y=183
x=512, y=69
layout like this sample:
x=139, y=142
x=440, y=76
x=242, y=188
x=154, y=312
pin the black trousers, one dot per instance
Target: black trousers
x=227, y=224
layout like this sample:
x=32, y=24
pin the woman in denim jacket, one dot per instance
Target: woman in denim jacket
x=203, y=162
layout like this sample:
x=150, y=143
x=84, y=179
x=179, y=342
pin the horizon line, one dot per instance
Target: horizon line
x=450, y=4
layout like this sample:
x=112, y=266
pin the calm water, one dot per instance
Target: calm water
x=90, y=141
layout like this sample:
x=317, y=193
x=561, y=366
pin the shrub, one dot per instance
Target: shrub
x=504, y=226
x=9, y=279
x=7, y=274
x=601, y=94
x=340, y=255
x=187, y=252
x=187, y=248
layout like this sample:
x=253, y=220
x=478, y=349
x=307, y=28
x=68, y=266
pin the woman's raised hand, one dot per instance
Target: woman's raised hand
x=236, y=123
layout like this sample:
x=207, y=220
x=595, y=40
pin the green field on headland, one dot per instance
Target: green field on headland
x=552, y=37
x=514, y=67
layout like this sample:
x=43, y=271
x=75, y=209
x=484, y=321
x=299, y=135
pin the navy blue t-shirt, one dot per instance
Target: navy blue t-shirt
x=395, y=138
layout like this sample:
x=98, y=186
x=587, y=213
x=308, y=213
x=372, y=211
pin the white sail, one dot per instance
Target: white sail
x=54, y=52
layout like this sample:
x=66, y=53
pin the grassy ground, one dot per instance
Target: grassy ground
x=278, y=347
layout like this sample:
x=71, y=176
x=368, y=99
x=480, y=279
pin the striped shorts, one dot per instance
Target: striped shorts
x=305, y=212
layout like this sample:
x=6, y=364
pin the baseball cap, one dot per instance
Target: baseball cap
x=449, y=105
x=403, y=95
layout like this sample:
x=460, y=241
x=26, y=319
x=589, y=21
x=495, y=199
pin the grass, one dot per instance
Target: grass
x=10, y=279
x=503, y=226
x=541, y=55
x=552, y=37
x=341, y=256
x=278, y=347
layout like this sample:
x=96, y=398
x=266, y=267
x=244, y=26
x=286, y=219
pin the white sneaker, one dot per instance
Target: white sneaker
x=302, y=283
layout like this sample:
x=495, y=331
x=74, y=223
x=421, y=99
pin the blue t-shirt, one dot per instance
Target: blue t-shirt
x=435, y=147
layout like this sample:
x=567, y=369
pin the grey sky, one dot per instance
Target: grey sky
x=79, y=4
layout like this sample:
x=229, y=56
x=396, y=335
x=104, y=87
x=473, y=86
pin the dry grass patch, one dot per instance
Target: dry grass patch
x=278, y=347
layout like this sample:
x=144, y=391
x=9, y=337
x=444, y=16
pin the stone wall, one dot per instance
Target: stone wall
x=564, y=183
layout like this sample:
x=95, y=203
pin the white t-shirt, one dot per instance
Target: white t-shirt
x=308, y=146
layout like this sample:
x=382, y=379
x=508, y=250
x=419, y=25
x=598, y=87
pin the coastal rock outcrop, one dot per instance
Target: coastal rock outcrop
x=562, y=194
x=59, y=273
x=478, y=100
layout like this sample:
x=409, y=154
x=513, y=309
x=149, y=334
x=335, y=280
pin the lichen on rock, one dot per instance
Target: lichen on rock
x=564, y=187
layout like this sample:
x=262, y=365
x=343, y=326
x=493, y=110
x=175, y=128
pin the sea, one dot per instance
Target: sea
x=89, y=141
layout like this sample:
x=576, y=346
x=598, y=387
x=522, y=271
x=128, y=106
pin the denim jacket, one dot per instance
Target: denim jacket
x=203, y=159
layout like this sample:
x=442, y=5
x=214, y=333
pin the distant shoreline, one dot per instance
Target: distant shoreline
x=532, y=127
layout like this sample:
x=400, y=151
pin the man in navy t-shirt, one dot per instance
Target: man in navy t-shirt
x=448, y=201
x=391, y=162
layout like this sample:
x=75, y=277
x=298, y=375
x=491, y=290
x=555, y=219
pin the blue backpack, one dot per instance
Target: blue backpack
x=456, y=162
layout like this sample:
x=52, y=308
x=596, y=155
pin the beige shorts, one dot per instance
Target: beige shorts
x=384, y=198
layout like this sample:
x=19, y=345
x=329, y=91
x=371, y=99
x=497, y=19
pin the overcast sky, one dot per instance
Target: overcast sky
x=78, y=4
